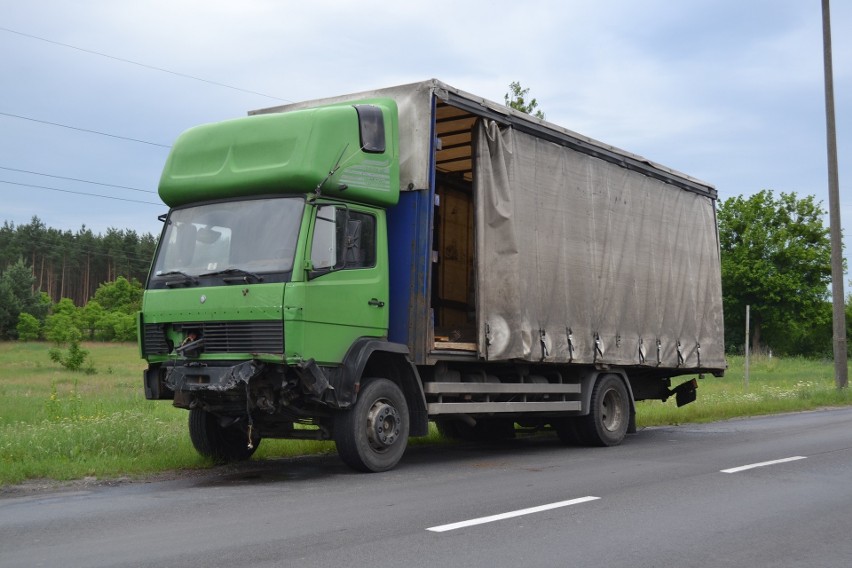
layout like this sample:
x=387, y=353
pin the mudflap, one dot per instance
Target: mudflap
x=685, y=392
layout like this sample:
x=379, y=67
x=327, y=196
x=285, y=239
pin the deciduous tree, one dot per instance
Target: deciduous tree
x=29, y=328
x=517, y=99
x=121, y=295
x=776, y=257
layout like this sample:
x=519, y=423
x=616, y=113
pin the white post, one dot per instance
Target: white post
x=748, y=309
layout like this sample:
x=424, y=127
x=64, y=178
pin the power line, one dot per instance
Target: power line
x=146, y=66
x=80, y=193
x=77, y=179
x=82, y=129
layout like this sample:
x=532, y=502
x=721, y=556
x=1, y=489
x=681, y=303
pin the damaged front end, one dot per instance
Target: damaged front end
x=268, y=398
x=304, y=380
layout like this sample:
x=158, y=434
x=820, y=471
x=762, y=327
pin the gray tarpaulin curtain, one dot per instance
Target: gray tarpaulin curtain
x=581, y=260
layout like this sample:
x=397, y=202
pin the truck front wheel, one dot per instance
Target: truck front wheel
x=372, y=435
x=609, y=414
x=220, y=443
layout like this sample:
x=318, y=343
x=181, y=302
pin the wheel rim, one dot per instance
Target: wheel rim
x=612, y=414
x=383, y=425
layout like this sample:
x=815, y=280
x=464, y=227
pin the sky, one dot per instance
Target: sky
x=727, y=91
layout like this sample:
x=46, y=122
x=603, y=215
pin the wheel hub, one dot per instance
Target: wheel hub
x=383, y=423
x=611, y=415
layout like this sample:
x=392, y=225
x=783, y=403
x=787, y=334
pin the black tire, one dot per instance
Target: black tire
x=609, y=414
x=372, y=435
x=222, y=445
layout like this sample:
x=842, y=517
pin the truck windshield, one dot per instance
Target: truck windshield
x=229, y=240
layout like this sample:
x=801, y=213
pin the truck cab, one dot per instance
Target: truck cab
x=271, y=267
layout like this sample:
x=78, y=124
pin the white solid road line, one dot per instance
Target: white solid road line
x=511, y=514
x=761, y=464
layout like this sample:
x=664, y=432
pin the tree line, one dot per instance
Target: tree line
x=72, y=265
x=69, y=286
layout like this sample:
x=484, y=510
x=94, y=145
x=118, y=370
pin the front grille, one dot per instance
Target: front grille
x=154, y=339
x=243, y=337
x=223, y=337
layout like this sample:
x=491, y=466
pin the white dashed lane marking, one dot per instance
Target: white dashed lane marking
x=511, y=514
x=761, y=464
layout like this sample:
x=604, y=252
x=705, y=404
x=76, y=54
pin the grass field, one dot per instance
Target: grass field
x=61, y=425
x=775, y=385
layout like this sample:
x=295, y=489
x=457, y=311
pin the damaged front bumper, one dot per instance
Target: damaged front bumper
x=162, y=381
x=198, y=376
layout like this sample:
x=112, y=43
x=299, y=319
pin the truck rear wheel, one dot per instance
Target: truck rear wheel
x=372, y=435
x=609, y=414
x=219, y=443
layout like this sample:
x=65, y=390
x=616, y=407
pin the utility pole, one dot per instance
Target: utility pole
x=841, y=373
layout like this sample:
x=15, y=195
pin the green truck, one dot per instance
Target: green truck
x=353, y=268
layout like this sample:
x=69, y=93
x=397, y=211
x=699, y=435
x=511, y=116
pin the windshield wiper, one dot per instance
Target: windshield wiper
x=186, y=278
x=244, y=273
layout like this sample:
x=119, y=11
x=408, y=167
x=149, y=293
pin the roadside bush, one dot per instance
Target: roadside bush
x=90, y=317
x=115, y=326
x=75, y=358
x=125, y=328
x=60, y=328
x=29, y=328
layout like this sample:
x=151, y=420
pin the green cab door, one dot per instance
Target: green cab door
x=346, y=284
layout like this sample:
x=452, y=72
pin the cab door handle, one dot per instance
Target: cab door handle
x=376, y=302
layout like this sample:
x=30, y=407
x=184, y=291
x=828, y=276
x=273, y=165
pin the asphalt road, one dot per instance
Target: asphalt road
x=763, y=492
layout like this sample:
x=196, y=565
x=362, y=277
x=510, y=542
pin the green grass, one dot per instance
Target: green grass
x=61, y=425
x=775, y=385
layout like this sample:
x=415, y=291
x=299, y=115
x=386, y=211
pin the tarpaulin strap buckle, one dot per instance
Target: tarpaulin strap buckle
x=659, y=353
x=598, y=350
x=680, y=360
x=541, y=338
x=641, y=351
x=570, y=334
x=698, y=352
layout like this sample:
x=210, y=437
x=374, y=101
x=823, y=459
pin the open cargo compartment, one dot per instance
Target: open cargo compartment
x=453, y=294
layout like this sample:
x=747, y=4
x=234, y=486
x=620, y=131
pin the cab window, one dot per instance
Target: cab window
x=343, y=239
